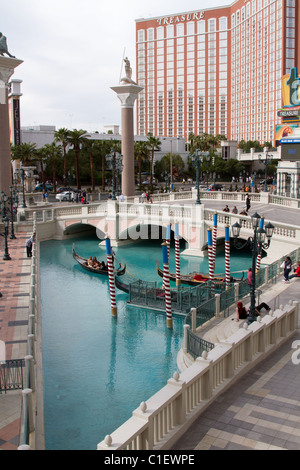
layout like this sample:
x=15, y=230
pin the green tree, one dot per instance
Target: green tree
x=141, y=152
x=53, y=153
x=154, y=144
x=61, y=136
x=77, y=138
x=25, y=152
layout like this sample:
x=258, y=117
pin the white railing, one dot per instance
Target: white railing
x=161, y=420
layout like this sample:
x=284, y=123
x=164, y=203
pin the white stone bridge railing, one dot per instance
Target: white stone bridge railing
x=160, y=421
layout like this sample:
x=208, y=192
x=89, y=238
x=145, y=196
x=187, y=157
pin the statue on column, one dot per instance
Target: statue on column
x=128, y=72
x=3, y=46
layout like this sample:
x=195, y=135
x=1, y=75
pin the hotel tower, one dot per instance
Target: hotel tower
x=216, y=70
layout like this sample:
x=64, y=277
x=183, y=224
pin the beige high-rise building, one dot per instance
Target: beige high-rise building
x=216, y=70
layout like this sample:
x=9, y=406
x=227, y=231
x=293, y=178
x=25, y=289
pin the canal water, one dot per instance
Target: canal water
x=97, y=369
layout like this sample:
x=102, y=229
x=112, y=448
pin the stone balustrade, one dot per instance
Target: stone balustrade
x=160, y=421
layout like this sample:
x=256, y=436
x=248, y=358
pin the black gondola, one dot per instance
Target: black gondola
x=83, y=262
x=194, y=279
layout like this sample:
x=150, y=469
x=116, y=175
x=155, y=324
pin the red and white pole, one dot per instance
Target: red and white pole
x=111, y=278
x=166, y=280
x=177, y=255
x=227, y=256
x=258, y=260
x=168, y=239
x=214, y=236
x=211, y=264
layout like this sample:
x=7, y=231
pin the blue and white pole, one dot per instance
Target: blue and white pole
x=258, y=259
x=166, y=280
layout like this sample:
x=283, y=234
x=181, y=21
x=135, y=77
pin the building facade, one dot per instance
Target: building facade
x=216, y=70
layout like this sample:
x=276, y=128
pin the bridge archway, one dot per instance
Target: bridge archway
x=79, y=229
x=147, y=232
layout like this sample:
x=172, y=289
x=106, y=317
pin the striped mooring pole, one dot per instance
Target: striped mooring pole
x=166, y=280
x=258, y=259
x=177, y=255
x=227, y=256
x=111, y=278
x=211, y=264
x=214, y=236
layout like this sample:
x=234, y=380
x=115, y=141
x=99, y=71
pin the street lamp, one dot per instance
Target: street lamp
x=255, y=243
x=6, y=256
x=21, y=172
x=267, y=160
x=13, y=203
x=114, y=159
x=197, y=160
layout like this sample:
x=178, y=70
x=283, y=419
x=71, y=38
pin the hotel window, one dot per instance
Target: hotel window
x=160, y=33
x=141, y=35
x=170, y=31
x=212, y=25
x=223, y=23
x=180, y=29
x=201, y=27
x=150, y=34
x=190, y=28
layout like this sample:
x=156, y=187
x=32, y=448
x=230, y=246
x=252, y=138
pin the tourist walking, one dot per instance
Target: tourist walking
x=287, y=267
x=248, y=204
x=28, y=246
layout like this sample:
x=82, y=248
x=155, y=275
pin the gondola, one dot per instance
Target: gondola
x=83, y=262
x=194, y=279
x=159, y=293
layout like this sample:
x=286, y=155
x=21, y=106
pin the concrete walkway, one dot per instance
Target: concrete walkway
x=14, y=306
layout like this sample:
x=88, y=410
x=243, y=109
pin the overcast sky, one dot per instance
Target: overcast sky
x=73, y=51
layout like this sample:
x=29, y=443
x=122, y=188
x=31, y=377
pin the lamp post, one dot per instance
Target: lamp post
x=119, y=169
x=6, y=256
x=197, y=160
x=114, y=159
x=256, y=243
x=266, y=160
x=21, y=172
x=13, y=203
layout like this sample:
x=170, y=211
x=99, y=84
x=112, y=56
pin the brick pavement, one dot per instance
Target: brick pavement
x=14, y=303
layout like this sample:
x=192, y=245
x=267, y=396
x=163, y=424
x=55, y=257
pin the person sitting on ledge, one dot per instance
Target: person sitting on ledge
x=242, y=313
x=226, y=209
x=243, y=212
x=296, y=272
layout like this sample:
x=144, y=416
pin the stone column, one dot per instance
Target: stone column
x=7, y=66
x=127, y=94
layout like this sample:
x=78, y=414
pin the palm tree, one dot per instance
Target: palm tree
x=61, y=136
x=26, y=153
x=77, y=138
x=141, y=151
x=52, y=153
x=154, y=144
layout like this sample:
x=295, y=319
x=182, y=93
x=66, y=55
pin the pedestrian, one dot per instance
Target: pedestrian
x=296, y=272
x=226, y=209
x=249, y=277
x=287, y=267
x=248, y=204
x=46, y=196
x=234, y=210
x=28, y=246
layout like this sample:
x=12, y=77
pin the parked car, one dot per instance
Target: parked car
x=64, y=188
x=269, y=181
x=40, y=187
x=215, y=187
x=65, y=196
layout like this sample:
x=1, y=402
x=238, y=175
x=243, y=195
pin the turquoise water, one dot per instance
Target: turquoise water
x=97, y=369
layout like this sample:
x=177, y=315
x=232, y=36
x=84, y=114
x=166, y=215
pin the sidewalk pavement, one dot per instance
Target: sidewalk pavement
x=260, y=411
x=14, y=306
